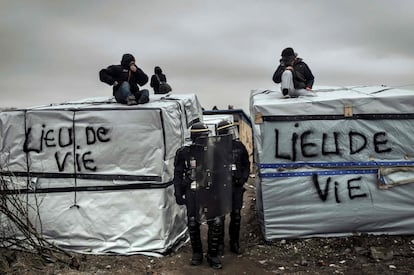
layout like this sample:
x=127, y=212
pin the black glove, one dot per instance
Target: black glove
x=179, y=199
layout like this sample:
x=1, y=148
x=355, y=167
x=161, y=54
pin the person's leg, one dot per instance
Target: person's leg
x=142, y=96
x=121, y=95
x=287, y=82
x=301, y=92
x=234, y=231
x=214, y=231
x=196, y=245
x=235, y=219
x=221, y=246
x=194, y=228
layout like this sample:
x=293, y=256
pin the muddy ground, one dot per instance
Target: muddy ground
x=362, y=254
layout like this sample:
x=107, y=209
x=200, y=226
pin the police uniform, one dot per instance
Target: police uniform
x=185, y=165
x=240, y=174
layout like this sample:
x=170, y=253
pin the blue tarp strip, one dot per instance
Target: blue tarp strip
x=337, y=164
x=321, y=173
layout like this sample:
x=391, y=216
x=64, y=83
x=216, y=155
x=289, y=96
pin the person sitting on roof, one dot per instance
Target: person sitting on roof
x=294, y=75
x=125, y=79
x=159, y=82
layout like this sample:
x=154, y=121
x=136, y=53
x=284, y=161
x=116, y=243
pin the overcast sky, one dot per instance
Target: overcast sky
x=51, y=51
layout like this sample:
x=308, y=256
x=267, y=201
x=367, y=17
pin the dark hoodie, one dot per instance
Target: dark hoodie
x=302, y=75
x=122, y=72
x=155, y=83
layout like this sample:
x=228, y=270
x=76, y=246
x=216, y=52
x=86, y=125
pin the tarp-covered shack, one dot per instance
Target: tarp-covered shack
x=336, y=163
x=100, y=172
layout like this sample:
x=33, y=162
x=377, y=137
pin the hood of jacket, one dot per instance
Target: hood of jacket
x=157, y=70
x=127, y=59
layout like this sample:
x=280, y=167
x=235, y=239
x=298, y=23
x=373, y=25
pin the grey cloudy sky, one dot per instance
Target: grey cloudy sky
x=51, y=51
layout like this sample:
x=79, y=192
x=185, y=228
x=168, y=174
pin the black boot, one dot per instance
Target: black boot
x=235, y=248
x=214, y=262
x=213, y=238
x=220, y=249
x=194, y=230
x=234, y=232
x=197, y=258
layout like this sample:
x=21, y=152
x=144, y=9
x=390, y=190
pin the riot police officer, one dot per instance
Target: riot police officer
x=240, y=174
x=185, y=165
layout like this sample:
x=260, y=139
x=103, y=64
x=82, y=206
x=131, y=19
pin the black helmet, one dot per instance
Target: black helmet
x=226, y=127
x=223, y=127
x=198, y=129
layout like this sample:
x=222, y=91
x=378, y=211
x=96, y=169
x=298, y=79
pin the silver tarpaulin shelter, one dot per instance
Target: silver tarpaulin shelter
x=336, y=163
x=97, y=174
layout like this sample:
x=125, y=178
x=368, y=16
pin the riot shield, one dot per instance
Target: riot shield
x=213, y=176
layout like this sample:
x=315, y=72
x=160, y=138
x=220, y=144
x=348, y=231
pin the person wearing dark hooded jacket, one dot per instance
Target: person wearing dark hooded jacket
x=125, y=79
x=156, y=78
x=294, y=75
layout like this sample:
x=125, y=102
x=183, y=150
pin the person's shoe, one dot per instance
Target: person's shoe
x=235, y=248
x=143, y=99
x=285, y=91
x=214, y=262
x=131, y=100
x=197, y=258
